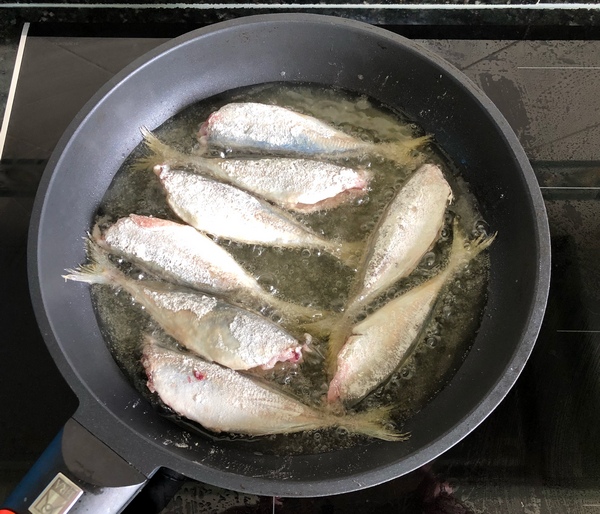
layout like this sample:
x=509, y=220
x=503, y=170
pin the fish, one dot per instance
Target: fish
x=299, y=185
x=180, y=254
x=408, y=228
x=223, y=400
x=381, y=343
x=257, y=127
x=224, y=211
x=213, y=329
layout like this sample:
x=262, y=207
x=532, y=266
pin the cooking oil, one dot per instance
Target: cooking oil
x=310, y=277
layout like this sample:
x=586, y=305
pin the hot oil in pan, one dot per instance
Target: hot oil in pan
x=309, y=277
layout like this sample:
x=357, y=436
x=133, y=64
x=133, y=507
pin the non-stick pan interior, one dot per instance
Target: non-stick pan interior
x=295, y=48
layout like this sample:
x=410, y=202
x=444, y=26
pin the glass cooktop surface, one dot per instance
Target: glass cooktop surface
x=538, y=452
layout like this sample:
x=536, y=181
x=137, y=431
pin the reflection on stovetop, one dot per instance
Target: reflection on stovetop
x=538, y=452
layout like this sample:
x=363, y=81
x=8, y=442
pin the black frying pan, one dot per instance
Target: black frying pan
x=115, y=438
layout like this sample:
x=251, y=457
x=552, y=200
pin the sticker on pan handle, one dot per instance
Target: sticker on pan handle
x=58, y=497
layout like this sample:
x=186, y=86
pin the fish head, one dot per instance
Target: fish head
x=203, y=132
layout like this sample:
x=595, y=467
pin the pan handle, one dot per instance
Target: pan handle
x=77, y=473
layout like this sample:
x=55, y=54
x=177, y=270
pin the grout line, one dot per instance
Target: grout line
x=13, y=87
x=574, y=188
x=578, y=331
x=558, y=67
x=395, y=7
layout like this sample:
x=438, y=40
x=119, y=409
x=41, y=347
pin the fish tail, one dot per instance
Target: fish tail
x=463, y=250
x=321, y=328
x=158, y=153
x=292, y=311
x=401, y=152
x=373, y=423
x=349, y=253
x=99, y=269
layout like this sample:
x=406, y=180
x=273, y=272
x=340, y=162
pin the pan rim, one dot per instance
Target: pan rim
x=282, y=488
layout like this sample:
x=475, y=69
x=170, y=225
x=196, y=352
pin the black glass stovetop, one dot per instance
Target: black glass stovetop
x=538, y=452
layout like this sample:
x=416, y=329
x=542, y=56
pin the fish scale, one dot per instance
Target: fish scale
x=407, y=229
x=223, y=400
x=301, y=185
x=256, y=127
x=225, y=211
x=381, y=342
x=215, y=330
x=182, y=255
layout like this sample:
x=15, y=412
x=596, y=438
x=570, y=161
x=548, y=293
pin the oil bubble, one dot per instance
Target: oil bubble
x=389, y=426
x=480, y=228
x=429, y=260
x=406, y=373
x=337, y=305
x=341, y=431
x=269, y=281
x=432, y=341
x=389, y=193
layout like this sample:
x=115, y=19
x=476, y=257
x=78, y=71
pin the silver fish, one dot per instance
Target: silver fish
x=380, y=343
x=224, y=400
x=276, y=130
x=408, y=228
x=301, y=185
x=213, y=329
x=223, y=210
x=182, y=255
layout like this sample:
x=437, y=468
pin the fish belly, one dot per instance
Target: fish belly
x=380, y=344
x=274, y=129
x=176, y=252
x=219, y=332
x=221, y=399
x=302, y=185
x=225, y=211
x=407, y=230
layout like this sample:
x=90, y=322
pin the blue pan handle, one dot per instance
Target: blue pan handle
x=77, y=473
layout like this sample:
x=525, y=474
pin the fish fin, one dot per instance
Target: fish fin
x=99, y=269
x=311, y=352
x=401, y=152
x=463, y=250
x=97, y=235
x=292, y=311
x=158, y=153
x=373, y=423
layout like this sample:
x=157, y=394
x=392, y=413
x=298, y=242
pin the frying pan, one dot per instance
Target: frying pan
x=115, y=441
